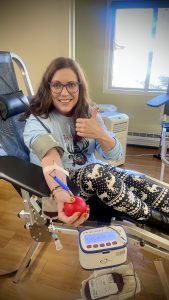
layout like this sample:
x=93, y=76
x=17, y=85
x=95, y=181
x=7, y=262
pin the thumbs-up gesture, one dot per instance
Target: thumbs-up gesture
x=89, y=127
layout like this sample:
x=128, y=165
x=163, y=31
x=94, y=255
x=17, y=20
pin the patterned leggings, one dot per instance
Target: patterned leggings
x=122, y=190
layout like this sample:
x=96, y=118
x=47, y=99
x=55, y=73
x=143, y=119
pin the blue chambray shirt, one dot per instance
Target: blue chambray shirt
x=76, y=153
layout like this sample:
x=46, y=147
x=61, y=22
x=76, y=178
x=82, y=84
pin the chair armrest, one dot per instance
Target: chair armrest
x=27, y=176
x=24, y=174
x=158, y=101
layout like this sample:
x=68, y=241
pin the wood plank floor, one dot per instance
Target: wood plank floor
x=57, y=275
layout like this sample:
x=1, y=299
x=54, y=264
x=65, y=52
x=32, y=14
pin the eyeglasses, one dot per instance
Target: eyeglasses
x=57, y=87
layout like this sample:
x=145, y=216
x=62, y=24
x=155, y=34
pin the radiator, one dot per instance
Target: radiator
x=143, y=139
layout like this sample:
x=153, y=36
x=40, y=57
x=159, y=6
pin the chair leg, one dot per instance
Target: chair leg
x=164, y=147
x=162, y=171
x=163, y=276
x=26, y=261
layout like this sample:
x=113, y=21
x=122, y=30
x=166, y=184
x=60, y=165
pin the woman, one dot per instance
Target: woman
x=66, y=140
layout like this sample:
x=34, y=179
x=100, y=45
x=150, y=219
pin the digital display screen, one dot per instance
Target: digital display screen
x=100, y=237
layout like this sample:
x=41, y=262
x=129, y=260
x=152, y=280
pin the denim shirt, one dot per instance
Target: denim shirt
x=2, y=151
x=76, y=154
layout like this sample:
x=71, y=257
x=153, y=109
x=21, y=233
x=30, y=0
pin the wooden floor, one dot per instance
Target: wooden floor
x=57, y=275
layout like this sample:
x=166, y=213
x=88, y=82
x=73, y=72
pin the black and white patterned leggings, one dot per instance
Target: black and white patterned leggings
x=123, y=191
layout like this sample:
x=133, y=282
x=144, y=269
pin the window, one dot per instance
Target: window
x=138, y=54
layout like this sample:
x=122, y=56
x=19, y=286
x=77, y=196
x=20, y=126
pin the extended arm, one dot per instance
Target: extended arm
x=49, y=153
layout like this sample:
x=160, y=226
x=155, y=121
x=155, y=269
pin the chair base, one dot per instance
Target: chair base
x=16, y=274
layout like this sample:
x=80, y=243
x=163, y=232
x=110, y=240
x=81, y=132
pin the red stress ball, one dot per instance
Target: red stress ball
x=79, y=205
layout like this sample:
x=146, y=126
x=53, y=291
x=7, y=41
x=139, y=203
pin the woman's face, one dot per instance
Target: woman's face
x=64, y=89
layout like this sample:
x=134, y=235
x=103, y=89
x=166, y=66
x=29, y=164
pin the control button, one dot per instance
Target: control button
x=114, y=243
x=102, y=245
x=89, y=246
x=108, y=244
x=95, y=246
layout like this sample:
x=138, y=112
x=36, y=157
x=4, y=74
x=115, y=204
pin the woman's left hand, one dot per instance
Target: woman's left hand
x=89, y=128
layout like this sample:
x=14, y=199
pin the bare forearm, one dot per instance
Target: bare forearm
x=106, y=142
x=52, y=157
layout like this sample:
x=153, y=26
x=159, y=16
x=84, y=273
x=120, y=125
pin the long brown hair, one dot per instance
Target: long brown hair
x=42, y=104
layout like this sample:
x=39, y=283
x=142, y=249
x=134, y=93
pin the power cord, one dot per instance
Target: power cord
x=133, y=275
x=134, y=271
x=113, y=229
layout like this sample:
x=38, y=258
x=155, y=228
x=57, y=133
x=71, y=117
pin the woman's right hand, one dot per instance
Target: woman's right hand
x=77, y=218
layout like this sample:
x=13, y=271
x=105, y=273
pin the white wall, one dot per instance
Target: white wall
x=36, y=30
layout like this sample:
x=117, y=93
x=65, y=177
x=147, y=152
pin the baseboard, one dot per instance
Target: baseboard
x=143, y=139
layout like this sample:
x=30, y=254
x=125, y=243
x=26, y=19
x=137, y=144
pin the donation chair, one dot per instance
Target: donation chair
x=163, y=100
x=30, y=182
x=14, y=155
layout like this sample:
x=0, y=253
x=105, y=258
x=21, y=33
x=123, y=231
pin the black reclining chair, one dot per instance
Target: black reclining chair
x=14, y=155
x=163, y=101
x=12, y=104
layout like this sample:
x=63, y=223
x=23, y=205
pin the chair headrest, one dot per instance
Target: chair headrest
x=10, y=104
